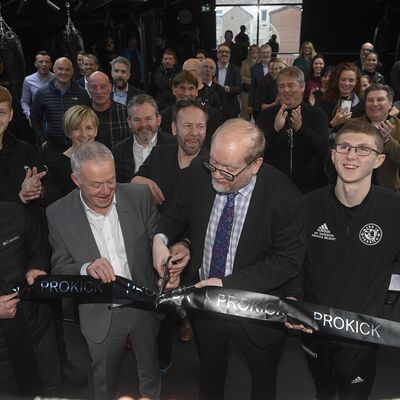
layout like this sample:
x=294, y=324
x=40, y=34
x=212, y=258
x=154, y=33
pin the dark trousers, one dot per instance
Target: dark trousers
x=213, y=337
x=48, y=363
x=339, y=366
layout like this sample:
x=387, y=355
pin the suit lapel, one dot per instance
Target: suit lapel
x=251, y=221
x=80, y=221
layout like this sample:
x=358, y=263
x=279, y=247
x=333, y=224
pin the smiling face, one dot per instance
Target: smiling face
x=377, y=105
x=168, y=61
x=190, y=129
x=290, y=91
x=352, y=168
x=84, y=133
x=318, y=65
x=63, y=71
x=347, y=82
x=371, y=61
x=97, y=183
x=144, y=122
x=185, y=91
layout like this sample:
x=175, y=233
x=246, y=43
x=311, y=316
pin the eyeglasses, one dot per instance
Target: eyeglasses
x=227, y=175
x=224, y=51
x=363, y=151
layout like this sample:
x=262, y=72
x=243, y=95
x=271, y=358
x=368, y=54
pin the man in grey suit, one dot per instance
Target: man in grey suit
x=103, y=229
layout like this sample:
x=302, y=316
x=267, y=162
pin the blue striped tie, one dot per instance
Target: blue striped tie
x=222, y=237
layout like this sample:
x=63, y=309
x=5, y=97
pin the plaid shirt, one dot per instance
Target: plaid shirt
x=113, y=125
x=241, y=206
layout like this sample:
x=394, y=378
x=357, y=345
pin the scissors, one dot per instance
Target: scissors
x=164, y=282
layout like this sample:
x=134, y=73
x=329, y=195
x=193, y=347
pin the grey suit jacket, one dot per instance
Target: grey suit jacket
x=73, y=245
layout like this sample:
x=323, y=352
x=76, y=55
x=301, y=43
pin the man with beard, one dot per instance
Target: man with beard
x=144, y=122
x=164, y=168
x=122, y=91
x=296, y=133
x=245, y=221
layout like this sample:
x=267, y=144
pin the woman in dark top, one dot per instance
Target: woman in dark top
x=341, y=100
x=313, y=78
x=371, y=62
x=317, y=93
x=80, y=125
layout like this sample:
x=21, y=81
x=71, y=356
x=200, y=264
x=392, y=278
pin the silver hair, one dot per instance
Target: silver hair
x=292, y=72
x=92, y=151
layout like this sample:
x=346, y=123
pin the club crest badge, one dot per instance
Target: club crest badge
x=370, y=234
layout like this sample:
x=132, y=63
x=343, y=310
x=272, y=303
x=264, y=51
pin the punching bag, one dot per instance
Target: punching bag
x=12, y=61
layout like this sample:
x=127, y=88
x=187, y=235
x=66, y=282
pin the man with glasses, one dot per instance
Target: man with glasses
x=228, y=75
x=245, y=221
x=352, y=230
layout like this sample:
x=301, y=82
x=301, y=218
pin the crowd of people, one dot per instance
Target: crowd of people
x=240, y=172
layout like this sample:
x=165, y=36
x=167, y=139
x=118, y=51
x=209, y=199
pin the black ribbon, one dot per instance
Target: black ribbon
x=236, y=303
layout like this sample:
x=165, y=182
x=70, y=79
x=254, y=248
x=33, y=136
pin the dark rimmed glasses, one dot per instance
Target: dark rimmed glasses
x=227, y=175
x=363, y=151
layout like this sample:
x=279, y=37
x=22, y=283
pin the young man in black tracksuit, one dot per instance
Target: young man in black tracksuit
x=353, y=248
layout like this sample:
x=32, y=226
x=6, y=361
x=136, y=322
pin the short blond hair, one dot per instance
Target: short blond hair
x=74, y=117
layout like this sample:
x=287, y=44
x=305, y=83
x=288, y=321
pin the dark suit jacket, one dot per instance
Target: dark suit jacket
x=234, y=82
x=124, y=160
x=257, y=74
x=214, y=121
x=224, y=104
x=74, y=245
x=272, y=242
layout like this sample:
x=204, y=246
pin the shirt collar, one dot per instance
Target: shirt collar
x=94, y=213
x=151, y=143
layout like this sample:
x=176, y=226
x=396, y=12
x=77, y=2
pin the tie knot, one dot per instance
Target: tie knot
x=231, y=197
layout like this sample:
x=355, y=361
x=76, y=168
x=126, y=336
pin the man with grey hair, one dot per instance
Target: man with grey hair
x=103, y=229
x=122, y=91
x=144, y=121
x=296, y=133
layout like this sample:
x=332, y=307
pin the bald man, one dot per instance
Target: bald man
x=207, y=95
x=113, y=116
x=49, y=105
x=365, y=49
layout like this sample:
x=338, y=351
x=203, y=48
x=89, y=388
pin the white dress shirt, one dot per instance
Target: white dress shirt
x=140, y=153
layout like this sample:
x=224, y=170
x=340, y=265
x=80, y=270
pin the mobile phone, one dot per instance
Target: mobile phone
x=345, y=106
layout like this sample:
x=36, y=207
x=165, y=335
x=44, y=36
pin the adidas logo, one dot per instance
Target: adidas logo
x=357, y=380
x=323, y=232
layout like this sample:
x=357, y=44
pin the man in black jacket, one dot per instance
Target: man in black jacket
x=296, y=133
x=352, y=232
x=29, y=360
x=144, y=122
x=262, y=252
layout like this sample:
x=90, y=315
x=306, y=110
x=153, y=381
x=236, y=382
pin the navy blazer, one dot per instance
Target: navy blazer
x=257, y=74
x=234, y=82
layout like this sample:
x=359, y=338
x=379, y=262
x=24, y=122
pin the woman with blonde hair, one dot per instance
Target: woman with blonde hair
x=80, y=126
x=303, y=61
x=253, y=57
